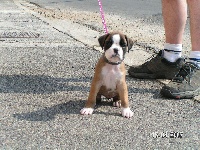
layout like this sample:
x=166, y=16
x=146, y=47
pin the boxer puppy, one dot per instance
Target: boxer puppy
x=109, y=77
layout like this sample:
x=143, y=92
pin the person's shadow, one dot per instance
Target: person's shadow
x=49, y=113
x=41, y=84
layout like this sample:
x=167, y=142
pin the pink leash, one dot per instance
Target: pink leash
x=102, y=17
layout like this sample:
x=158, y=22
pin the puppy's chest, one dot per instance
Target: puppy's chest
x=111, y=76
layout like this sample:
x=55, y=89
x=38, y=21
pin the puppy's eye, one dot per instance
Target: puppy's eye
x=123, y=44
x=109, y=42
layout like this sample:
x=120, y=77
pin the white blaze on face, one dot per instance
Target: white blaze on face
x=110, y=54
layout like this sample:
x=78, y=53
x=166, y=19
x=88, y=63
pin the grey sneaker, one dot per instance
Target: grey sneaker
x=186, y=84
x=157, y=68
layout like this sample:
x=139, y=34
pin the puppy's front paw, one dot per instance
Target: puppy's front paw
x=126, y=112
x=86, y=111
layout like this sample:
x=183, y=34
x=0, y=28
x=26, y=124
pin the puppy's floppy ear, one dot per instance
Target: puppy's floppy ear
x=102, y=40
x=129, y=42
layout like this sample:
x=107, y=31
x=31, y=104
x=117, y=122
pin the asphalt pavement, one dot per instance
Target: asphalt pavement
x=46, y=66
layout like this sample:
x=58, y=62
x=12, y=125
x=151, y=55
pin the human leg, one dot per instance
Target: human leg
x=194, y=6
x=174, y=18
x=168, y=62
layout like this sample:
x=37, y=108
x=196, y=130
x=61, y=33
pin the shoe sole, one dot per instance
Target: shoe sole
x=180, y=95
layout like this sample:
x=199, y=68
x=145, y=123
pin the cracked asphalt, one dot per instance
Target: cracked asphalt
x=45, y=81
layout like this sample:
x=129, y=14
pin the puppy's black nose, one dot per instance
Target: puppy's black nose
x=115, y=50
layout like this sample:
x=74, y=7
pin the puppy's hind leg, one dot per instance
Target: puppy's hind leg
x=116, y=101
x=98, y=99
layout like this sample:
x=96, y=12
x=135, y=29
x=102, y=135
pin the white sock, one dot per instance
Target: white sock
x=195, y=57
x=172, y=52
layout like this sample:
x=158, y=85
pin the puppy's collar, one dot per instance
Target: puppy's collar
x=112, y=63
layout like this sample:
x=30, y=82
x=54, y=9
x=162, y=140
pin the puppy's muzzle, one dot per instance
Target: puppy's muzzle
x=116, y=54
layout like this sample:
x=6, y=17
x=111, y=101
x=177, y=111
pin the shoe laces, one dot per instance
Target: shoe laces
x=186, y=73
x=155, y=54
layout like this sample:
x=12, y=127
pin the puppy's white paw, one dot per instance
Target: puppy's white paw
x=117, y=104
x=126, y=112
x=86, y=111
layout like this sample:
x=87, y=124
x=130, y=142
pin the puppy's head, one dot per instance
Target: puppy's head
x=115, y=45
